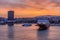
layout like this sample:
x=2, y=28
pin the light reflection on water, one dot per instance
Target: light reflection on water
x=18, y=32
x=11, y=32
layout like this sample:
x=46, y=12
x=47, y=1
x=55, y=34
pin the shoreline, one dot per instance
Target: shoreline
x=55, y=24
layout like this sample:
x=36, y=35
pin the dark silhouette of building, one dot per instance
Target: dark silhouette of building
x=10, y=15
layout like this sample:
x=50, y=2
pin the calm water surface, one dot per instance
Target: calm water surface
x=18, y=32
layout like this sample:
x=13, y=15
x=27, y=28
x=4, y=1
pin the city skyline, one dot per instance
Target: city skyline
x=30, y=8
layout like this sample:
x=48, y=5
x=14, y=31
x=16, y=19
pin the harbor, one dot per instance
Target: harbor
x=29, y=19
x=18, y=32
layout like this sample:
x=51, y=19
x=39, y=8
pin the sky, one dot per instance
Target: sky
x=30, y=8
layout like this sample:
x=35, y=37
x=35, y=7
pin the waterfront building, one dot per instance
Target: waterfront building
x=10, y=15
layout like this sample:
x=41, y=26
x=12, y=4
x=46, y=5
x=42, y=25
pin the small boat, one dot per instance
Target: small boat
x=43, y=24
x=27, y=24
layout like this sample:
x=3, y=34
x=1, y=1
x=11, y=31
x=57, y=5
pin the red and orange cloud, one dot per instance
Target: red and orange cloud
x=30, y=8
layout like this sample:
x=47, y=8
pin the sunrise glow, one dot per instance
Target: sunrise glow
x=30, y=8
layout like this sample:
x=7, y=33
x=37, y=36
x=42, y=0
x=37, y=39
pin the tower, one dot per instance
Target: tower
x=10, y=15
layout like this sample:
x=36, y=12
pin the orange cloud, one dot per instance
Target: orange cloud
x=30, y=8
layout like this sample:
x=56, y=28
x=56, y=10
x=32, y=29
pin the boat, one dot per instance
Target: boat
x=27, y=24
x=43, y=24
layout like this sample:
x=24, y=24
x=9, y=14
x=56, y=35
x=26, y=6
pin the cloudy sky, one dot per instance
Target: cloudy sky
x=30, y=8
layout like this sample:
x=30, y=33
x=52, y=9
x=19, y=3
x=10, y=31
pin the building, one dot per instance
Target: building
x=10, y=15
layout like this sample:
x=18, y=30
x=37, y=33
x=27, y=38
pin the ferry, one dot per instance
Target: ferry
x=43, y=24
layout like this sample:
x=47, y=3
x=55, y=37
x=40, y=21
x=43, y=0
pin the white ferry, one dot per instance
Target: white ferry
x=43, y=24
